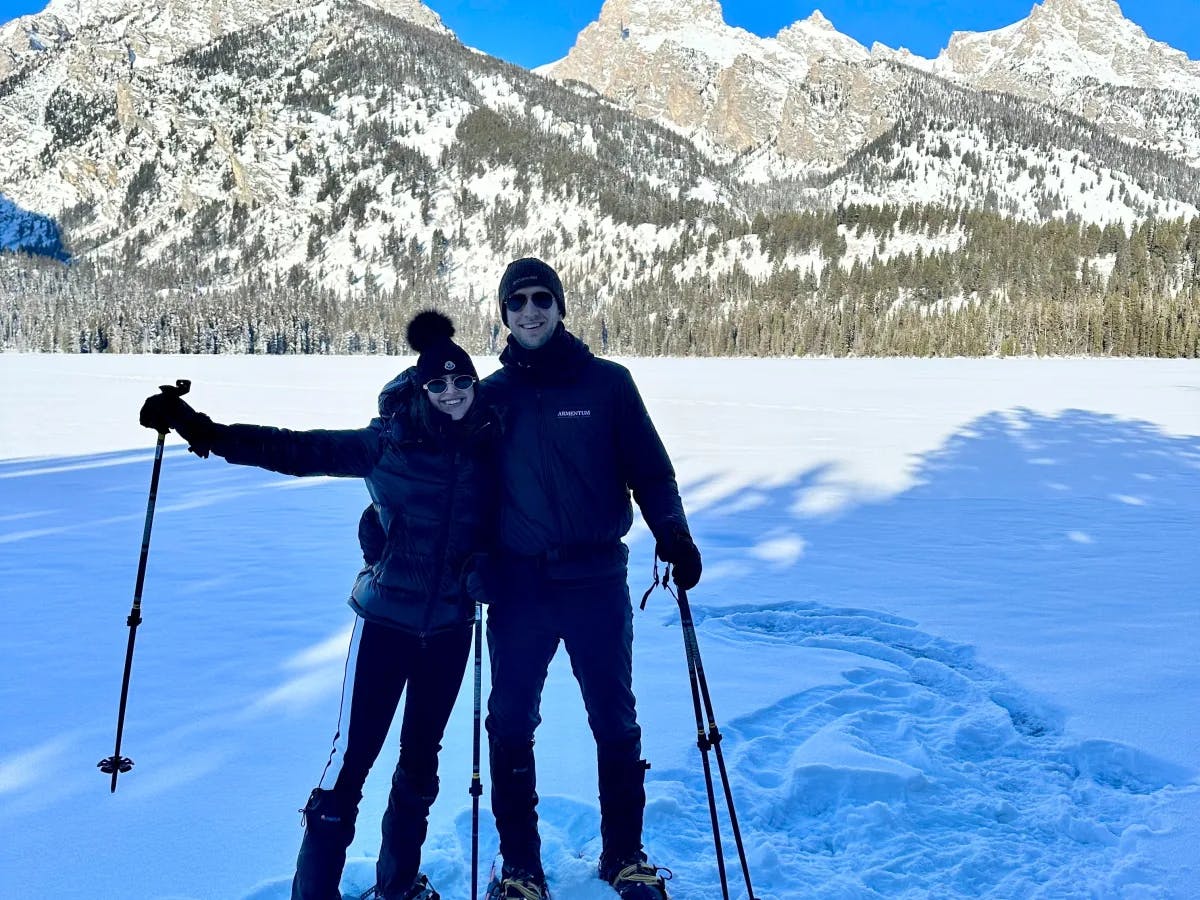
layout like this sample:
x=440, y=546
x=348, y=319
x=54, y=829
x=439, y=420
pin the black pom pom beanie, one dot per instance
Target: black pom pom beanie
x=430, y=334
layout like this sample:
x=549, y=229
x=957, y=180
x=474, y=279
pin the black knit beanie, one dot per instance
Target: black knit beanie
x=430, y=333
x=530, y=272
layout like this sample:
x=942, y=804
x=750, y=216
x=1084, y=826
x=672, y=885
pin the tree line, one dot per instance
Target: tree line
x=937, y=282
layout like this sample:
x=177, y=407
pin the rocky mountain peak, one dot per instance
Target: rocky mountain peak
x=657, y=14
x=148, y=32
x=1079, y=11
x=1088, y=22
x=817, y=37
x=83, y=12
x=1061, y=45
x=818, y=20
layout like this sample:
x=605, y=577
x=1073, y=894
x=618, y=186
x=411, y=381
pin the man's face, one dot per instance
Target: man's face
x=534, y=322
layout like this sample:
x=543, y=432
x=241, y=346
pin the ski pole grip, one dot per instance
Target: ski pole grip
x=178, y=389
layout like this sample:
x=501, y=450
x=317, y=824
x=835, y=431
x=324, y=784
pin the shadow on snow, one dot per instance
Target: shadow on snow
x=925, y=770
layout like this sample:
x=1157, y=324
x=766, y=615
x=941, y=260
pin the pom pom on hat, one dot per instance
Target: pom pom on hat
x=430, y=333
x=427, y=328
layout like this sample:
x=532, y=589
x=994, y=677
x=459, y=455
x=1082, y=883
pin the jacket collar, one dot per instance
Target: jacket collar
x=558, y=360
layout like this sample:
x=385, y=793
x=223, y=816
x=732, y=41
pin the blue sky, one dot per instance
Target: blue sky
x=532, y=32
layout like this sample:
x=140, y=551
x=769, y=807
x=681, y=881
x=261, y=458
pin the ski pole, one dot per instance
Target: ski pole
x=705, y=743
x=705, y=740
x=713, y=737
x=117, y=764
x=476, y=786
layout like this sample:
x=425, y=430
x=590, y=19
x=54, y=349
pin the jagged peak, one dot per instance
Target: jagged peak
x=818, y=20
x=1075, y=17
x=1062, y=42
x=161, y=29
x=83, y=12
x=1106, y=10
x=654, y=14
x=410, y=10
x=899, y=54
x=817, y=34
x=1094, y=22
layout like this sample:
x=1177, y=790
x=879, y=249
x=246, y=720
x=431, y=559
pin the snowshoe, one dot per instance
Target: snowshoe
x=420, y=890
x=639, y=881
x=516, y=886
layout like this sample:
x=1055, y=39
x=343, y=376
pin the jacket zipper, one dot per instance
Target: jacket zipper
x=547, y=474
x=435, y=595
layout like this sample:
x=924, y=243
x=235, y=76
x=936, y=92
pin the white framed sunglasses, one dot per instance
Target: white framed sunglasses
x=439, y=385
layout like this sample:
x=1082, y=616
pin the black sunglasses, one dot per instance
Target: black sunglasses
x=439, y=385
x=541, y=299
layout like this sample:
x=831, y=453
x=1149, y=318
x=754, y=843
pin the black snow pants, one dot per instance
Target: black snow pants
x=382, y=664
x=594, y=621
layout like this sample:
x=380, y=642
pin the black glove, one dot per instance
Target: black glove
x=678, y=549
x=371, y=536
x=477, y=577
x=166, y=411
x=160, y=411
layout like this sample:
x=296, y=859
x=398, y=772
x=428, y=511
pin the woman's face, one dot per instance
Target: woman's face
x=453, y=400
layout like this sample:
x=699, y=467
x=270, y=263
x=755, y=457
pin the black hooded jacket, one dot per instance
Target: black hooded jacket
x=577, y=442
x=432, y=480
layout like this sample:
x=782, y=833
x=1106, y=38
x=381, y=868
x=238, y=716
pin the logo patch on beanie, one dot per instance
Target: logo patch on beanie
x=449, y=367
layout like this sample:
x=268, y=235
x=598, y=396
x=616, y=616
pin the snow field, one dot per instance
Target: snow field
x=947, y=620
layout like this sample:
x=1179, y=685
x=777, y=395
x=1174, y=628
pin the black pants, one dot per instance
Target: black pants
x=594, y=621
x=382, y=664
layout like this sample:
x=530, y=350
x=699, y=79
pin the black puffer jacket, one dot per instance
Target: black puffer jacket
x=432, y=480
x=577, y=441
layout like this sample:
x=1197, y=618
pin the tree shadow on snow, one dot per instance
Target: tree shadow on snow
x=1051, y=546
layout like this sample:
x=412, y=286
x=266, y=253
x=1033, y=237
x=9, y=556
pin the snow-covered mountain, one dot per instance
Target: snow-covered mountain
x=956, y=146
x=136, y=33
x=346, y=146
x=680, y=63
x=346, y=153
x=1086, y=57
x=814, y=96
x=1063, y=45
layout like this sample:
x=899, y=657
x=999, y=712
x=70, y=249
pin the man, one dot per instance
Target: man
x=577, y=441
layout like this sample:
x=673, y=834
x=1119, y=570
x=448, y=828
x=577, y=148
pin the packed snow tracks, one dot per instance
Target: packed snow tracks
x=922, y=773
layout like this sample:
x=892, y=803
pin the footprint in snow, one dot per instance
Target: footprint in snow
x=923, y=774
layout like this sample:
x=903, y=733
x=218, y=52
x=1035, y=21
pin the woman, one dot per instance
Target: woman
x=426, y=461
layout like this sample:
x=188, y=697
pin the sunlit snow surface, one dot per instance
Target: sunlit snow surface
x=949, y=617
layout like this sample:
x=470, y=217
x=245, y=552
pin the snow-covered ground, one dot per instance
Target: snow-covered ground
x=950, y=619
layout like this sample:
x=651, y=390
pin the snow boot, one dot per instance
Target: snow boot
x=405, y=824
x=622, y=776
x=328, y=830
x=514, y=806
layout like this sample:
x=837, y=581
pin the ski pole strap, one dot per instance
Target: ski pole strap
x=657, y=582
